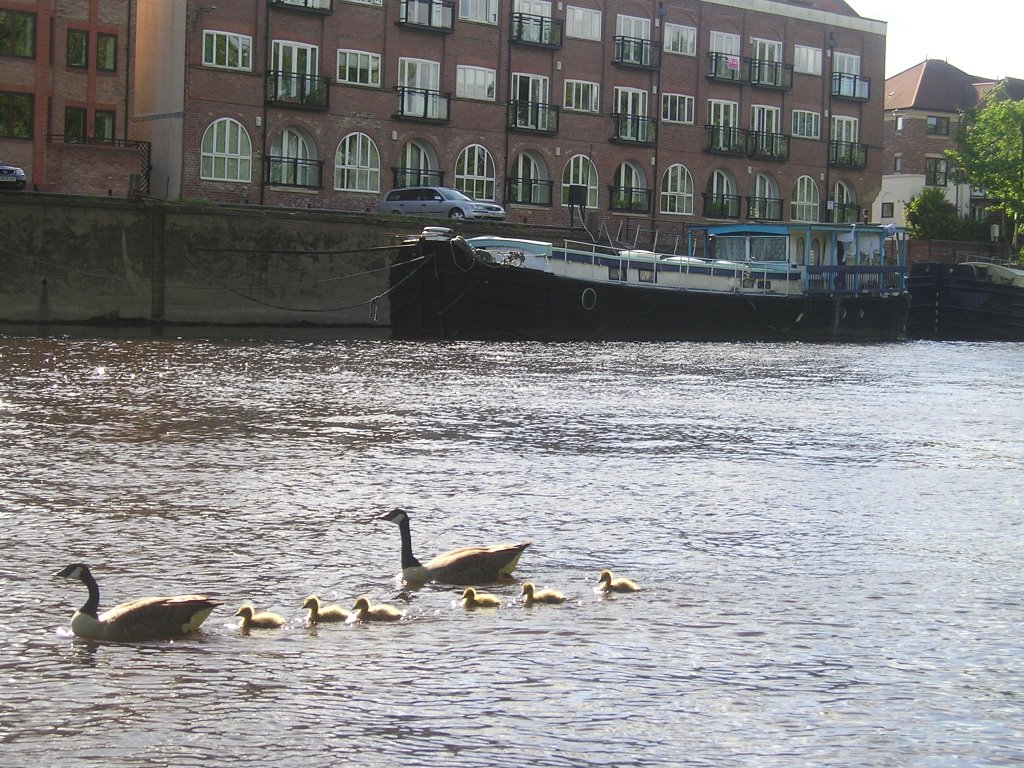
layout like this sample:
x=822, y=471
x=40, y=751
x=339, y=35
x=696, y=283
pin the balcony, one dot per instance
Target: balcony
x=723, y=140
x=416, y=177
x=768, y=146
x=852, y=87
x=541, y=31
x=842, y=213
x=299, y=91
x=421, y=104
x=533, y=116
x=629, y=199
x=528, y=191
x=770, y=74
x=322, y=7
x=847, y=154
x=719, y=206
x=429, y=15
x=728, y=68
x=636, y=52
x=292, y=172
x=764, y=208
x=635, y=129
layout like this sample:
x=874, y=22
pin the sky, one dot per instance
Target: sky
x=979, y=37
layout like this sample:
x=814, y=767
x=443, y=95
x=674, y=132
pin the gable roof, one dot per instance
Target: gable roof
x=938, y=86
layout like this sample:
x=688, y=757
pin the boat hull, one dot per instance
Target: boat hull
x=451, y=295
x=953, y=302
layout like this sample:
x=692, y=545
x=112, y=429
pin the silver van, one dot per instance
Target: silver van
x=438, y=201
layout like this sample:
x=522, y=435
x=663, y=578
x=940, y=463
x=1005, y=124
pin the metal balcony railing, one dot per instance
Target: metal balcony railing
x=416, y=177
x=720, y=206
x=764, y=208
x=292, y=172
x=528, y=191
x=431, y=15
x=634, y=129
x=854, y=87
x=847, y=154
x=770, y=74
x=728, y=67
x=315, y=6
x=636, y=52
x=533, y=116
x=291, y=89
x=422, y=104
x=723, y=140
x=768, y=146
x=629, y=199
x=529, y=29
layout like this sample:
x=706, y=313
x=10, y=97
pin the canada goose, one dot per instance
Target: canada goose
x=261, y=620
x=469, y=565
x=363, y=611
x=148, y=618
x=319, y=614
x=606, y=583
x=473, y=599
x=532, y=595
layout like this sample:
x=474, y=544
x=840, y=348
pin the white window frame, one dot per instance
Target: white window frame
x=635, y=27
x=677, y=108
x=242, y=45
x=229, y=146
x=577, y=92
x=475, y=82
x=807, y=60
x=475, y=173
x=582, y=23
x=725, y=42
x=680, y=39
x=802, y=206
x=677, y=191
x=806, y=124
x=361, y=172
x=365, y=62
x=480, y=11
x=580, y=169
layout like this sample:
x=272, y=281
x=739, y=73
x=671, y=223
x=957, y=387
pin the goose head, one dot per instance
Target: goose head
x=73, y=571
x=246, y=612
x=605, y=578
x=396, y=516
x=311, y=602
x=528, y=589
x=469, y=594
x=362, y=604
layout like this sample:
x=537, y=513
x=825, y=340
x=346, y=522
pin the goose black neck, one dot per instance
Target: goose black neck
x=408, y=559
x=92, y=605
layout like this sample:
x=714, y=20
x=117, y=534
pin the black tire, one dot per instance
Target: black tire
x=456, y=213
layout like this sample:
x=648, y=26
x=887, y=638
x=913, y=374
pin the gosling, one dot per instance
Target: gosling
x=607, y=583
x=363, y=611
x=473, y=599
x=261, y=620
x=322, y=614
x=532, y=595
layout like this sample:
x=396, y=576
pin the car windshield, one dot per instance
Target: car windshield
x=453, y=194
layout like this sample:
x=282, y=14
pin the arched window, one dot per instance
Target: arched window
x=844, y=204
x=765, y=204
x=226, y=152
x=417, y=166
x=805, y=200
x=293, y=159
x=529, y=183
x=580, y=171
x=629, y=189
x=474, y=173
x=357, y=164
x=677, y=191
x=720, y=200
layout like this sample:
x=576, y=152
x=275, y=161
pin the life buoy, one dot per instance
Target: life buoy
x=588, y=298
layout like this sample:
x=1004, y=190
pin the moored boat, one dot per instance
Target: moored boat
x=967, y=301
x=810, y=282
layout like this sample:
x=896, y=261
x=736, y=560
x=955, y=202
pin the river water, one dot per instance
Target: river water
x=829, y=540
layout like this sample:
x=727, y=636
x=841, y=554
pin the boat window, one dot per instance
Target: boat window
x=768, y=249
x=617, y=272
x=730, y=248
x=815, y=251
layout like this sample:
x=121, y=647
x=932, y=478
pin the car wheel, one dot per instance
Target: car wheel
x=456, y=213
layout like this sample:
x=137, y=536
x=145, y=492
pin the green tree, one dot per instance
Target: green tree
x=930, y=216
x=991, y=153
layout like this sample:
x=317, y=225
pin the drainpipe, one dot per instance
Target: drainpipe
x=263, y=132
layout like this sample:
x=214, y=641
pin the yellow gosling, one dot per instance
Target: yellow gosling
x=606, y=583
x=533, y=595
x=322, y=614
x=473, y=599
x=362, y=610
x=251, y=619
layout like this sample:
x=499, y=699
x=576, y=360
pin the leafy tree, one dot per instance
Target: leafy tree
x=930, y=216
x=991, y=152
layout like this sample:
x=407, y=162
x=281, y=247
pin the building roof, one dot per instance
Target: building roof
x=829, y=6
x=938, y=86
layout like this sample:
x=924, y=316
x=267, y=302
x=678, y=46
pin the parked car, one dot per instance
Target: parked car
x=438, y=201
x=11, y=177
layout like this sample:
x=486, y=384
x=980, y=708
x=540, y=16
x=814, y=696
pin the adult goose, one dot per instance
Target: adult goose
x=468, y=565
x=148, y=618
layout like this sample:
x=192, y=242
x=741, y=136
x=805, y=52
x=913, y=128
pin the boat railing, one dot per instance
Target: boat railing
x=874, y=280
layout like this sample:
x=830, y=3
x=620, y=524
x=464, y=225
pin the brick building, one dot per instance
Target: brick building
x=65, y=81
x=665, y=111
x=922, y=118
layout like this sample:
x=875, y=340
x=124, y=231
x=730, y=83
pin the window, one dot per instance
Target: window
x=582, y=96
x=580, y=171
x=16, y=115
x=359, y=68
x=805, y=200
x=937, y=126
x=74, y=124
x=78, y=48
x=935, y=171
x=417, y=165
x=17, y=34
x=474, y=83
x=226, y=152
x=897, y=163
x=485, y=11
x=676, y=108
x=680, y=39
x=899, y=123
x=357, y=164
x=806, y=125
x=887, y=211
x=583, y=23
x=806, y=60
x=677, y=191
x=293, y=160
x=106, y=52
x=725, y=42
x=845, y=129
x=419, y=81
x=474, y=173
x=227, y=50
x=103, y=125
